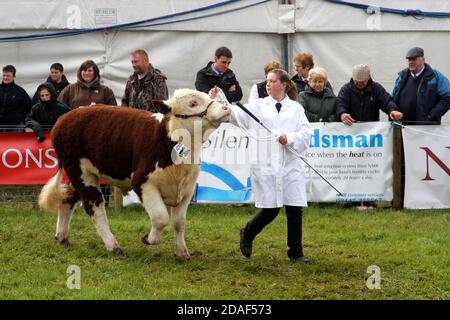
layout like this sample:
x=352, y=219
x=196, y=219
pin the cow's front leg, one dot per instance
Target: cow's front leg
x=179, y=223
x=157, y=210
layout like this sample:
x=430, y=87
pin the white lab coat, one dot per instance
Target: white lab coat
x=253, y=94
x=277, y=175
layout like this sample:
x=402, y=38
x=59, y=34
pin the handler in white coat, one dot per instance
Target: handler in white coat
x=277, y=175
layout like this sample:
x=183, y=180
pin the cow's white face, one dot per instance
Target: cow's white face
x=193, y=110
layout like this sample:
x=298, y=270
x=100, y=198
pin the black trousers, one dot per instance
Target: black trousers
x=294, y=227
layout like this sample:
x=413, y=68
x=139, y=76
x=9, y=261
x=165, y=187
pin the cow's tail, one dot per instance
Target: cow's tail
x=54, y=193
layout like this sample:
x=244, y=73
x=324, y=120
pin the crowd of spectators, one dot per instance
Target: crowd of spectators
x=421, y=94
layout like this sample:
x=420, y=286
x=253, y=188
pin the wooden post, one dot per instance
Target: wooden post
x=397, y=168
x=117, y=198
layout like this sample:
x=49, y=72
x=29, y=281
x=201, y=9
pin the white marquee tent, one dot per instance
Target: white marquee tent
x=181, y=36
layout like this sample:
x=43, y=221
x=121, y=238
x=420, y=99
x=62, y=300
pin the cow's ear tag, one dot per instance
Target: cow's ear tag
x=180, y=150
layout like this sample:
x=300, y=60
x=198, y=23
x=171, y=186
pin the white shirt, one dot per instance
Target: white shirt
x=215, y=70
x=415, y=75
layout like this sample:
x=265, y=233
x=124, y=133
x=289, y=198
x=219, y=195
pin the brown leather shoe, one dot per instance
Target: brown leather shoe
x=245, y=245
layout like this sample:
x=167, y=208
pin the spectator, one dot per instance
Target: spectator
x=56, y=78
x=145, y=84
x=15, y=103
x=303, y=62
x=362, y=98
x=87, y=90
x=259, y=90
x=44, y=114
x=421, y=92
x=217, y=73
x=318, y=101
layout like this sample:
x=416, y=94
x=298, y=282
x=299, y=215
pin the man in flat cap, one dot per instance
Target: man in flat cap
x=421, y=92
x=362, y=98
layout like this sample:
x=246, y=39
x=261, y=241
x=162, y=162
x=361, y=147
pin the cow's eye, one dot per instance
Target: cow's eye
x=193, y=104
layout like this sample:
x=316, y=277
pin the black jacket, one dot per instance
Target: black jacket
x=364, y=105
x=262, y=91
x=43, y=115
x=299, y=83
x=15, y=104
x=59, y=86
x=433, y=95
x=207, y=79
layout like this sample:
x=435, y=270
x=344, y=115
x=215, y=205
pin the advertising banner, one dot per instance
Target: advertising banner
x=427, y=166
x=225, y=169
x=23, y=160
x=356, y=159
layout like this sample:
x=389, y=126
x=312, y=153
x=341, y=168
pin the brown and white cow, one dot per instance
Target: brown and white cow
x=132, y=149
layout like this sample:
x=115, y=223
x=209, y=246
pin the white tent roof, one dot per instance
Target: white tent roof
x=323, y=16
x=227, y=16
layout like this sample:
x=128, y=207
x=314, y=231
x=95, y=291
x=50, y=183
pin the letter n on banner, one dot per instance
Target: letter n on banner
x=427, y=166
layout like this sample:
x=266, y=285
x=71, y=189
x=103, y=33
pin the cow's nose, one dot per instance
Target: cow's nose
x=225, y=108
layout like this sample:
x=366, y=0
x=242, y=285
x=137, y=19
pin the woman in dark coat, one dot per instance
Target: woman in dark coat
x=44, y=114
x=88, y=89
x=317, y=99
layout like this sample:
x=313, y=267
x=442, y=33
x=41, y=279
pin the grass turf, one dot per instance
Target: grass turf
x=412, y=249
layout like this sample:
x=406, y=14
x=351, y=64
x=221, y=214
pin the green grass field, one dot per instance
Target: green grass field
x=411, y=248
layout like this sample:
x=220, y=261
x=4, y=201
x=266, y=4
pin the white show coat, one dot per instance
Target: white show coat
x=278, y=176
x=253, y=93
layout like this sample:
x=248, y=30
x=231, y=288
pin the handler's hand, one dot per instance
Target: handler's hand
x=396, y=115
x=282, y=139
x=232, y=88
x=213, y=92
x=347, y=119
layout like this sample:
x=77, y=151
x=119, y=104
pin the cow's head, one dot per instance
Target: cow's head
x=194, y=112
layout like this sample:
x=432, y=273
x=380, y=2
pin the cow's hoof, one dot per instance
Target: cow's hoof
x=185, y=258
x=118, y=251
x=64, y=241
x=145, y=239
x=183, y=255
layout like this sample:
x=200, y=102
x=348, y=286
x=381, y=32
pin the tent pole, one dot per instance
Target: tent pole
x=285, y=51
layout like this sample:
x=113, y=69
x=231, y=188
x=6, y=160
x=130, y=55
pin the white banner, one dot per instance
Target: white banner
x=427, y=166
x=225, y=170
x=356, y=159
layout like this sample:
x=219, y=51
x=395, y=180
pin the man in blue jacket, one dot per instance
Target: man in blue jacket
x=421, y=92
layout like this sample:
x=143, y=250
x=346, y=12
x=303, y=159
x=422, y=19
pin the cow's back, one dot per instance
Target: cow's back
x=114, y=139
